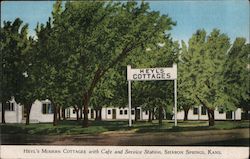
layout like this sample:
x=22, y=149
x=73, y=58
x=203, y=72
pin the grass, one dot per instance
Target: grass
x=70, y=127
x=194, y=126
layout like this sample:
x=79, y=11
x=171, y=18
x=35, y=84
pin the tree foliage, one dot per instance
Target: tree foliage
x=16, y=57
x=211, y=74
x=236, y=74
x=100, y=35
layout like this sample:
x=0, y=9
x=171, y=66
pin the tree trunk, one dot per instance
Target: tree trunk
x=85, y=106
x=59, y=113
x=3, y=112
x=100, y=114
x=136, y=117
x=149, y=116
x=77, y=113
x=160, y=115
x=96, y=114
x=63, y=113
x=235, y=115
x=246, y=115
x=153, y=114
x=210, y=112
x=28, y=108
x=186, y=114
x=81, y=112
x=211, y=117
x=55, y=115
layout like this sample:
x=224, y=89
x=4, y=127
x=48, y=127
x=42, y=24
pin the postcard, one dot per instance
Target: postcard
x=125, y=79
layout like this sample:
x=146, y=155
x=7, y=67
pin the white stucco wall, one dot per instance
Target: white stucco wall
x=12, y=116
x=73, y=115
x=36, y=114
x=238, y=114
x=217, y=116
x=144, y=116
x=123, y=116
x=106, y=116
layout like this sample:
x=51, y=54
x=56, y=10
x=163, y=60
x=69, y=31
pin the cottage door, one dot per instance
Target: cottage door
x=113, y=113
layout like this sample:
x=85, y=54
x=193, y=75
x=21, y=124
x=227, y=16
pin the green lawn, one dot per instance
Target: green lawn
x=73, y=127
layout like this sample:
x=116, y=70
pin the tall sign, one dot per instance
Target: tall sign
x=149, y=74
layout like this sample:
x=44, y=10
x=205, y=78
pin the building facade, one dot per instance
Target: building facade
x=42, y=112
x=111, y=113
x=13, y=112
x=197, y=113
x=200, y=113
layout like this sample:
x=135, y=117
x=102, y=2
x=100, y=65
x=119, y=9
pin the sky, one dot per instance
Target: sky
x=230, y=16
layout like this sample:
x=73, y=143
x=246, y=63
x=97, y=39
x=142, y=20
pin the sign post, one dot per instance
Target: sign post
x=129, y=98
x=175, y=102
x=149, y=74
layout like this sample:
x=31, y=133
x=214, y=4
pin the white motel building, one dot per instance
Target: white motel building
x=41, y=112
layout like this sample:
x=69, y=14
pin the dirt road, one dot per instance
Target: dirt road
x=235, y=137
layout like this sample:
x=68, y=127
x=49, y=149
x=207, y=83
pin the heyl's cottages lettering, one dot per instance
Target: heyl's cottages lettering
x=167, y=73
x=152, y=74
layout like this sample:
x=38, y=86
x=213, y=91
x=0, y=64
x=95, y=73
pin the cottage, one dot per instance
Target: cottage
x=111, y=113
x=13, y=112
x=197, y=113
x=200, y=113
x=42, y=112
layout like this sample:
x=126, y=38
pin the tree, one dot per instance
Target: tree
x=28, y=90
x=184, y=101
x=15, y=56
x=105, y=91
x=103, y=34
x=56, y=67
x=203, y=70
x=236, y=74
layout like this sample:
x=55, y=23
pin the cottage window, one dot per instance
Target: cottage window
x=195, y=111
x=132, y=112
x=121, y=112
x=10, y=106
x=74, y=111
x=109, y=111
x=47, y=108
x=221, y=111
x=146, y=112
x=125, y=112
x=203, y=110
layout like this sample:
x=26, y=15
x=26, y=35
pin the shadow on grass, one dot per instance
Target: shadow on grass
x=73, y=127
x=192, y=126
x=172, y=129
x=67, y=127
